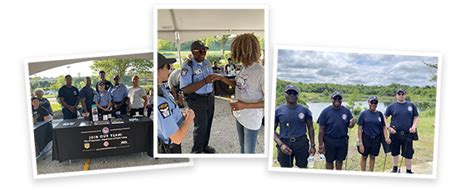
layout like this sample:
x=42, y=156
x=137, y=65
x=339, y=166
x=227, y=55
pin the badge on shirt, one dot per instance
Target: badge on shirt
x=164, y=110
x=380, y=119
x=344, y=117
x=74, y=92
x=184, y=71
x=301, y=115
x=410, y=109
x=197, y=71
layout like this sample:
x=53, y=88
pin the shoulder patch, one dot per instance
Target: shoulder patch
x=184, y=71
x=164, y=110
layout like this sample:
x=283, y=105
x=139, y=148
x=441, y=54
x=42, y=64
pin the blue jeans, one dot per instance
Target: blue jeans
x=247, y=139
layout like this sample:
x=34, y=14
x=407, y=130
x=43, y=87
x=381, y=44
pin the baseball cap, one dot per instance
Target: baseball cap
x=162, y=60
x=291, y=87
x=372, y=98
x=337, y=93
x=198, y=45
x=401, y=90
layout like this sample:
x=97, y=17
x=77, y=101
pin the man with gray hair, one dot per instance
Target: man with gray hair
x=44, y=102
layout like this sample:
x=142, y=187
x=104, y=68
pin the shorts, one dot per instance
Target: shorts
x=371, y=145
x=336, y=149
x=403, y=141
x=300, y=148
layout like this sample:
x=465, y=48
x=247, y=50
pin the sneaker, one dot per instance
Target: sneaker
x=409, y=172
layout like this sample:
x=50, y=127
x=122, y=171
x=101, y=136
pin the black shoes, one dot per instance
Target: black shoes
x=209, y=150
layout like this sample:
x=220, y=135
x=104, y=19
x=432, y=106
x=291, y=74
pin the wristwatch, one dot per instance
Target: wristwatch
x=313, y=145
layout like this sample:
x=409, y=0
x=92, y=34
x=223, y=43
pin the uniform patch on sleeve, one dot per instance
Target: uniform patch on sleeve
x=184, y=71
x=164, y=110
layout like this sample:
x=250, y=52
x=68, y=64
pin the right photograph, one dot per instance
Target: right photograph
x=359, y=112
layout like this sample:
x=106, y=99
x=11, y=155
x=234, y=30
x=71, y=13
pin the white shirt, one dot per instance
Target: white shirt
x=250, y=89
x=136, y=97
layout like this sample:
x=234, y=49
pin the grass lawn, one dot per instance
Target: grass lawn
x=423, y=147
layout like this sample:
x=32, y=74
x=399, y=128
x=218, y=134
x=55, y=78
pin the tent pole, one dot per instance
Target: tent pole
x=178, y=46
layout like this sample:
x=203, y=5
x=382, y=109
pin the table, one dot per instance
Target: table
x=75, y=139
x=43, y=132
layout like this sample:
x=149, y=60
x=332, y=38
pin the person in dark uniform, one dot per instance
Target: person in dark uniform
x=107, y=83
x=230, y=67
x=172, y=125
x=68, y=96
x=119, y=94
x=86, y=97
x=196, y=83
x=334, y=122
x=295, y=121
x=372, y=131
x=404, y=120
x=40, y=113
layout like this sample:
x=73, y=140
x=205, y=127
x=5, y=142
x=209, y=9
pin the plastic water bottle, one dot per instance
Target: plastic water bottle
x=311, y=161
x=233, y=100
x=322, y=157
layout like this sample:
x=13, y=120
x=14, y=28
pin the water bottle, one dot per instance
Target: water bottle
x=322, y=157
x=233, y=100
x=311, y=161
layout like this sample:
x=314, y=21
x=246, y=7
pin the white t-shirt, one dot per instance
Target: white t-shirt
x=135, y=95
x=250, y=89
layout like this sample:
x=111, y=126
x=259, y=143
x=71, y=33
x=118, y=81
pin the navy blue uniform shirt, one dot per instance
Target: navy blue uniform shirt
x=402, y=115
x=88, y=94
x=70, y=94
x=292, y=120
x=336, y=121
x=372, y=122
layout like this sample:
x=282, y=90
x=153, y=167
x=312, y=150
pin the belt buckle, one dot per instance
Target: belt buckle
x=292, y=139
x=402, y=132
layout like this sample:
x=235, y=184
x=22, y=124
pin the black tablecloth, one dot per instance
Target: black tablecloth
x=72, y=141
x=222, y=89
x=43, y=135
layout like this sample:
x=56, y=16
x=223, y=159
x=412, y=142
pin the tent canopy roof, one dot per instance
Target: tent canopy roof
x=197, y=23
x=38, y=66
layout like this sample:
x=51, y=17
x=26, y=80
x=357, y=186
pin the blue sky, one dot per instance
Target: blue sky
x=354, y=68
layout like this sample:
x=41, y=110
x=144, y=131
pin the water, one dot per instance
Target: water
x=317, y=108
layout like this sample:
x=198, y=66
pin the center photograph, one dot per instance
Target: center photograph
x=211, y=81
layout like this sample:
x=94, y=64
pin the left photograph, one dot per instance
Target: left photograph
x=90, y=113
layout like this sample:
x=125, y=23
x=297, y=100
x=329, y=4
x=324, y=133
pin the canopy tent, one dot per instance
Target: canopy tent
x=183, y=25
x=192, y=24
x=38, y=66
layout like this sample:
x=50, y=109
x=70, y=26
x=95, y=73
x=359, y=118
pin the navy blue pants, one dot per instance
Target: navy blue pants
x=203, y=107
x=300, y=148
x=67, y=114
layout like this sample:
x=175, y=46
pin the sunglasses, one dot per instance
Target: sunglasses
x=374, y=102
x=337, y=98
x=292, y=92
x=168, y=66
x=200, y=51
x=401, y=93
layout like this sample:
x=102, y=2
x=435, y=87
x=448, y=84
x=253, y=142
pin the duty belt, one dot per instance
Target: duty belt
x=294, y=139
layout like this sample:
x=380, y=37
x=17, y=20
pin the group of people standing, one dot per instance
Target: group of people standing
x=196, y=80
x=109, y=98
x=295, y=123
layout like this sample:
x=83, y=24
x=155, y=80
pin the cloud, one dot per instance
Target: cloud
x=354, y=68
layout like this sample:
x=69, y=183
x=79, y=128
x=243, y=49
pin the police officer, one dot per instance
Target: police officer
x=107, y=83
x=103, y=100
x=404, y=120
x=334, y=122
x=371, y=132
x=119, y=94
x=86, y=97
x=68, y=97
x=294, y=121
x=196, y=82
x=172, y=125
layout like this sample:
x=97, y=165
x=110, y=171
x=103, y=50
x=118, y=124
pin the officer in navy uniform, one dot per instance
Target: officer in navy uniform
x=172, y=125
x=334, y=122
x=196, y=83
x=372, y=131
x=69, y=98
x=119, y=94
x=294, y=121
x=404, y=120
